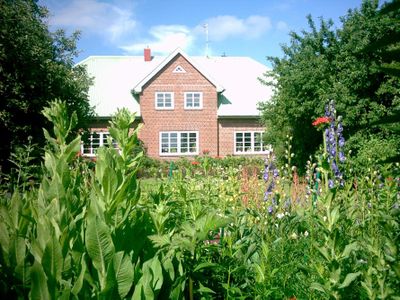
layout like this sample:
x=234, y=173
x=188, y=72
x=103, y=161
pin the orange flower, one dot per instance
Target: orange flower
x=195, y=163
x=321, y=120
x=206, y=152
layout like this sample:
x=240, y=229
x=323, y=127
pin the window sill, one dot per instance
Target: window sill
x=179, y=154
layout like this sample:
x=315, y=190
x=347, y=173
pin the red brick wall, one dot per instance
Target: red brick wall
x=204, y=120
x=227, y=127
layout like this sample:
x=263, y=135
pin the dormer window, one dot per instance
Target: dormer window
x=193, y=100
x=164, y=100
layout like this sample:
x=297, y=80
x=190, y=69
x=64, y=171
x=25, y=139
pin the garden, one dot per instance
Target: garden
x=209, y=228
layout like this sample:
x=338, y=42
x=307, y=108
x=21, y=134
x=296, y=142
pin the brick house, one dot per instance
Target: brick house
x=186, y=104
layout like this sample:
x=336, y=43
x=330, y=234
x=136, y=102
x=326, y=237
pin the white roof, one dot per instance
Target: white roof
x=116, y=76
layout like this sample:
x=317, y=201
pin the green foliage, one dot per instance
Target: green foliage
x=36, y=67
x=89, y=233
x=325, y=64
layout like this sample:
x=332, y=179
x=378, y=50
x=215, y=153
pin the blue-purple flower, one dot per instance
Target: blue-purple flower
x=334, y=142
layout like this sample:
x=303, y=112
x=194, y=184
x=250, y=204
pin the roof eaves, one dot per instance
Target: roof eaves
x=239, y=116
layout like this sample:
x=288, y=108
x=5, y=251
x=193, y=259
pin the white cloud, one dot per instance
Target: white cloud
x=282, y=26
x=164, y=39
x=223, y=27
x=95, y=17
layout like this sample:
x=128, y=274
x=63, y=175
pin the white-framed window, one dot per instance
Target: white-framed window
x=95, y=140
x=164, y=100
x=250, y=142
x=179, y=143
x=193, y=100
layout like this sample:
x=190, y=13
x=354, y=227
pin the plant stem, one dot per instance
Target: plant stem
x=190, y=288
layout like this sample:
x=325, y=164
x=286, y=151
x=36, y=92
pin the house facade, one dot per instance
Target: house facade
x=187, y=105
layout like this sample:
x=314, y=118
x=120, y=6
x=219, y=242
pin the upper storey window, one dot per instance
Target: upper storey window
x=164, y=100
x=193, y=100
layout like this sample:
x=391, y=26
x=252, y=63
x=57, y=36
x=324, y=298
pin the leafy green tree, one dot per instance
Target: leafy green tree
x=36, y=66
x=327, y=63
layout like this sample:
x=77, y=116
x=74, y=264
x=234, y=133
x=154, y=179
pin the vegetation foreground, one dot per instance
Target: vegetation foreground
x=82, y=232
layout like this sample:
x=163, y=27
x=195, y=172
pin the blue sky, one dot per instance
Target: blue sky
x=254, y=28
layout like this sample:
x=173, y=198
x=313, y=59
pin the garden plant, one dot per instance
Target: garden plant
x=211, y=228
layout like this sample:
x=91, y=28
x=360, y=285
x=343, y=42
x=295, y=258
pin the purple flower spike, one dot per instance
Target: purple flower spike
x=340, y=128
x=341, y=141
x=270, y=209
x=266, y=175
x=342, y=158
x=331, y=184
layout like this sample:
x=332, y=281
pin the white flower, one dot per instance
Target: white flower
x=280, y=215
x=306, y=233
x=293, y=236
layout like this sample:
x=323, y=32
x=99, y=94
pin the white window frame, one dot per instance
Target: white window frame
x=102, y=142
x=200, y=100
x=264, y=148
x=178, y=143
x=156, y=94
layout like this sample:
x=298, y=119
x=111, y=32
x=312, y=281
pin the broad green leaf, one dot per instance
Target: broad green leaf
x=335, y=276
x=123, y=270
x=72, y=149
x=169, y=268
x=109, y=184
x=4, y=239
x=157, y=273
x=348, y=249
x=204, y=289
x=160, y=240
x=205, y=265
x=18, y=250
x=52, y=259
x=324, y=252
x=317, y=286
x=99, y=245
x=138, y=294
x=260, y=275
x=79, y=281
x=39, y=290
x=349, y=279
x=15, y=208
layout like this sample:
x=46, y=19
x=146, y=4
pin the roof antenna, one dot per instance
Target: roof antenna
x=206, y=30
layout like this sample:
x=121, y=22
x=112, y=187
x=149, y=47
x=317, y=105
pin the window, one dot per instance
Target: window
x=194, y=100
x=94, y=141
x=179, y=69
x=179, y=143
x=250, y=142
x=164, y=100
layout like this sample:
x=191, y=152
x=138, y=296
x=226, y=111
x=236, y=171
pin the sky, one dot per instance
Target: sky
x=254, y=28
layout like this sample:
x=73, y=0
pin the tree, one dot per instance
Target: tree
x=36, y=66
x=329, y=64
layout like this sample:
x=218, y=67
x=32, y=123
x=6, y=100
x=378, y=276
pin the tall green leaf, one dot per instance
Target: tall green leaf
x=39, y=290
x=99, y=245
x=52, y=259
x=123, y=270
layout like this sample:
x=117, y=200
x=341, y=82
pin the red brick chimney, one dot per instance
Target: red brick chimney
x=147, y=54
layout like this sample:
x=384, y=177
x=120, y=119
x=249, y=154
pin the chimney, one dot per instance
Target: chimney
x=147, y=54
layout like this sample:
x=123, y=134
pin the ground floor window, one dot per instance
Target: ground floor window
x=250, y=142
x=94, y=140
x=179, y=143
